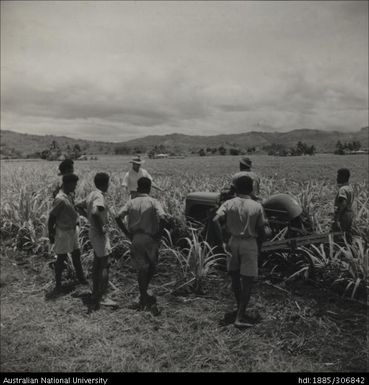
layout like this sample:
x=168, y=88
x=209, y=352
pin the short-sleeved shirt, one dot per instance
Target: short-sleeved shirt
x=64, y=211
x=95, y=200
x=99, y=241
x=346, y=192
x=131, y=178
x=253, y=176
x=144, y=214
x=243, y=216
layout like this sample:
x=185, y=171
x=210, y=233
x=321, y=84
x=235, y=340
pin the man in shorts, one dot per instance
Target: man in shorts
x=96, y=210
x=245, y=222
x=343, y=213
x=62, y=227
x=145, y=226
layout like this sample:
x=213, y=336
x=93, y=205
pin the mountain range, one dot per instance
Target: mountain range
x=324, y=141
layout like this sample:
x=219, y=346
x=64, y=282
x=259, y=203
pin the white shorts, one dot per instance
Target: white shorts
x=66, y=241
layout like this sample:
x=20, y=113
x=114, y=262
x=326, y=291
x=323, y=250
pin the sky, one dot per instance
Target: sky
x=116, y=71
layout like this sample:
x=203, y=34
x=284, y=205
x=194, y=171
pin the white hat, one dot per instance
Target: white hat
x=137, y=160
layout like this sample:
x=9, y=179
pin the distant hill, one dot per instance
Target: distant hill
x=324, y=141
x=24, y=144
x=20, y=144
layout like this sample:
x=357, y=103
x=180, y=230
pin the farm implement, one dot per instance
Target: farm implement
x=288, y=227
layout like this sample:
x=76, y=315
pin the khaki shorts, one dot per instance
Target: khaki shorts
x=66, y=241
x=244, y=256
x=145, y=251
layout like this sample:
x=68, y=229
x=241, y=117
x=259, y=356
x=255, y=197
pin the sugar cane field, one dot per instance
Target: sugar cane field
x=313, y=304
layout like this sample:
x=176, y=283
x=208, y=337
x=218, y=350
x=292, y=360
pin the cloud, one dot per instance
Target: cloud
x=178, y=104
x=149, y=103
x=125, y=70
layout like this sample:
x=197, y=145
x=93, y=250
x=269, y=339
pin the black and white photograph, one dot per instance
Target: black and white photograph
x=184, y=189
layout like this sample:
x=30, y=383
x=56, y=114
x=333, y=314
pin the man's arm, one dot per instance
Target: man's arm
x=56, y=189
x=156, y=187
x=119, y=220
x=81, y=208
x=153, y=184
x=160, y=233
x=51, y=223
x=260, y=229
x=339, y=209
x=162, y=218
x=96, y=215
x=218, y=229
x=261, y=237
x=219, y=216
x=123, y=227
x=125, y=181
x=51, y=228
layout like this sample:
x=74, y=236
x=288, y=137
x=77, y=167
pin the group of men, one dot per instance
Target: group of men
x=142, y=220
x=145, y=217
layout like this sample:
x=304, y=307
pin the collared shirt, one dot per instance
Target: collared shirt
x=346, y=192
x=64, y=211
x=131, y=178
x=95, y=200
x=144, y=214
x=243, y=216
x=253, y=176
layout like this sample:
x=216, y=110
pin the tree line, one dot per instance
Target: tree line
x=343, y=148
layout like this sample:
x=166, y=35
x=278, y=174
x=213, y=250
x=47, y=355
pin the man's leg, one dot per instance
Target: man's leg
x=245, y=294
x=151, y=273
x=141, y=262
x=236, y=286
x=152, y=255
x=233, y=266
x=248, y=256
x=346, y=225
x=104, y=275
x=58, y=270
x=143, y=283
x=59, y=267
x=76, y=259
x=230, y=316
x=104, y=283
x=96, y=279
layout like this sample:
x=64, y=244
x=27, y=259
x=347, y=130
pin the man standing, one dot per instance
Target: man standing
x=65, y=167
x=343, y=213
x=245, y=222
x=97, y=214
x=245, y=170
x=145, y=226
x=132, y=176
x=62, y=226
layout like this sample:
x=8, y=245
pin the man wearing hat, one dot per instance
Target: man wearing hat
x=133, y=175
x=245, y=170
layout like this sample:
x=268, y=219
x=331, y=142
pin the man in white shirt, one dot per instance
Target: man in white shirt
x=133, y=175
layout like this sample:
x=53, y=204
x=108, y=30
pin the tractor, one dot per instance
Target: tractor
x=289, y=228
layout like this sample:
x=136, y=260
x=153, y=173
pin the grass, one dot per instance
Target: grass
x=61, y=336
x=304, y=327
